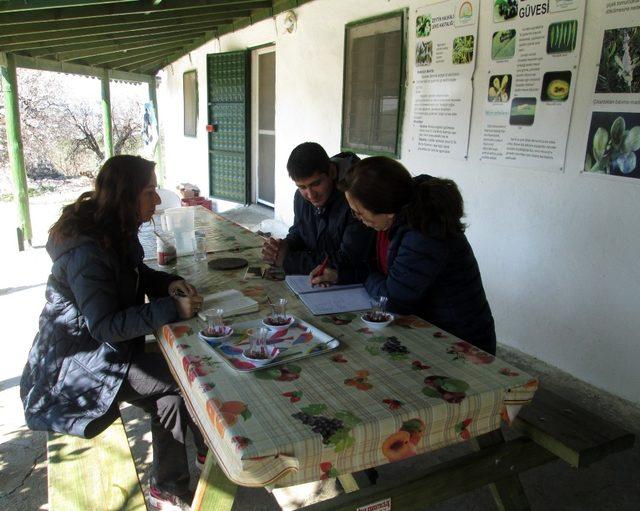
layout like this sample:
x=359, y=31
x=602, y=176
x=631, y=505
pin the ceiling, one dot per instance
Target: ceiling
x=140, y=36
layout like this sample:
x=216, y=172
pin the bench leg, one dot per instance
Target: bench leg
x=214, y=492
x=348, y=483
x=507, y=493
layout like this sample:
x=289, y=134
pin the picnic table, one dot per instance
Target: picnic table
x=351, y=409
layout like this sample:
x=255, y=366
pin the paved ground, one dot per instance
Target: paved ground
x=612, y=484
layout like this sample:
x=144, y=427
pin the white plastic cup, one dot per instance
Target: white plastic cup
x=180, y=221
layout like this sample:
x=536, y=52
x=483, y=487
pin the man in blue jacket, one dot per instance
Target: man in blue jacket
x=323, y=225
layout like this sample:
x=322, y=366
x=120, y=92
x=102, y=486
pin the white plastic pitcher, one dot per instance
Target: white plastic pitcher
x=181, y=222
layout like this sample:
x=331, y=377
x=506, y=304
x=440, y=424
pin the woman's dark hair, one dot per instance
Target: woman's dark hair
x=383, y=185
x=109, y=213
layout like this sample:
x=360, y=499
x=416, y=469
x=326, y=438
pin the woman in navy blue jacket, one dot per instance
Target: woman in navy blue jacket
x=424, y=264
x=89, y=352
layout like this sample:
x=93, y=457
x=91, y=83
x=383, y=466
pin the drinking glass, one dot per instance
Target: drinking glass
x=215, y=322
x=378, y=309
x=258, y=341
x=199, y=246
x=279, y=314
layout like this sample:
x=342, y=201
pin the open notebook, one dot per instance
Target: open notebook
x=232, y=301
x=329, y=300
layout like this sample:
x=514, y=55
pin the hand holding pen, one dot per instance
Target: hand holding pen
x=323, y=266
x=322, y=275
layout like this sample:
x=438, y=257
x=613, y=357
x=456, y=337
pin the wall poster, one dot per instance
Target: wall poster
x=613, y=138
x=529, y=87
x=444, y=55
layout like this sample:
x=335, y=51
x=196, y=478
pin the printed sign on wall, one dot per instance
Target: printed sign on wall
x=445, y=54
x=534, y=52
x=613, y=139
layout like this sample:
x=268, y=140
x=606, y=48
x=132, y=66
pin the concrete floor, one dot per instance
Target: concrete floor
x=611, y=484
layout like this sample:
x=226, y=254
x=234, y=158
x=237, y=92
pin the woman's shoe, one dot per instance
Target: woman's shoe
x=200, y=459
x=160, y=500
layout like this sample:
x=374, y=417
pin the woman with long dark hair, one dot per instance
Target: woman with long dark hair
x=424, y=264
x=89, y=352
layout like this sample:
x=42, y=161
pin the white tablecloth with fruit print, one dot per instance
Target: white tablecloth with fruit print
x=344, y=411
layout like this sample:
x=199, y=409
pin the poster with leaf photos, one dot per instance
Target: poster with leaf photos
x=613, y=137
x=534, y=48
x=444, y=55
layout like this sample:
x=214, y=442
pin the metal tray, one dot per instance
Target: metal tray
x=298, y=341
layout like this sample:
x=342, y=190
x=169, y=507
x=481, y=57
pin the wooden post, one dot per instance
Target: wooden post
x=106, y=115
x=153, y=97
x=507, y=493
x=14, y=140
x=214, y=490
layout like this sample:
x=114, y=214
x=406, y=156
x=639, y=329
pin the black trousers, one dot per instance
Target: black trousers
x=150, y=386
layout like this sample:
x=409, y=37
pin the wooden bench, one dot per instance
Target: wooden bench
x=569, y=431
x=95, y=474
x=551, y=428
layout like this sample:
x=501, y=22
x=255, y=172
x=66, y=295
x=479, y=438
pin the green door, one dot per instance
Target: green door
x=228, y=96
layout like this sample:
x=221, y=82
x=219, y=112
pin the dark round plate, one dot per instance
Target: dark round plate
x=227, y=263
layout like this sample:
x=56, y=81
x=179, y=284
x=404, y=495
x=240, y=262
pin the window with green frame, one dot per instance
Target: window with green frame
x=373, y=92
x=190, y=102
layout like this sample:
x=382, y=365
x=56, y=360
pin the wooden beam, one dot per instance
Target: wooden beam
x=107, y=25
x=30, y=5
x=153, y=97
x=135, y=61
x=79, y=69
x=138, y=63
x=128, y=61
x=139, y=8
x=163, y=49
x=154, y=68
x=42, y=48
x=106, y=114
x=258, y=15
x=9, y=84
x=126, y=47
x=284, y=5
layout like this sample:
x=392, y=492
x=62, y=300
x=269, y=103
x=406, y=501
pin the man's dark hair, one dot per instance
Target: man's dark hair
x=307, y=159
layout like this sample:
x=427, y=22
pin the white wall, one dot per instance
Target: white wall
x=559, y=252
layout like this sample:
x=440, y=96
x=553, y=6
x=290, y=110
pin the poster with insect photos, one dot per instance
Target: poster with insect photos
x=533, y=53
x=613, y=134
x=443, y=43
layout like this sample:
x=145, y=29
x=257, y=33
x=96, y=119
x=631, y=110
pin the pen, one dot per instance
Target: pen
x=322, y=266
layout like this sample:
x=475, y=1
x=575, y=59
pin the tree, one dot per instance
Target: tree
x=61, y=132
